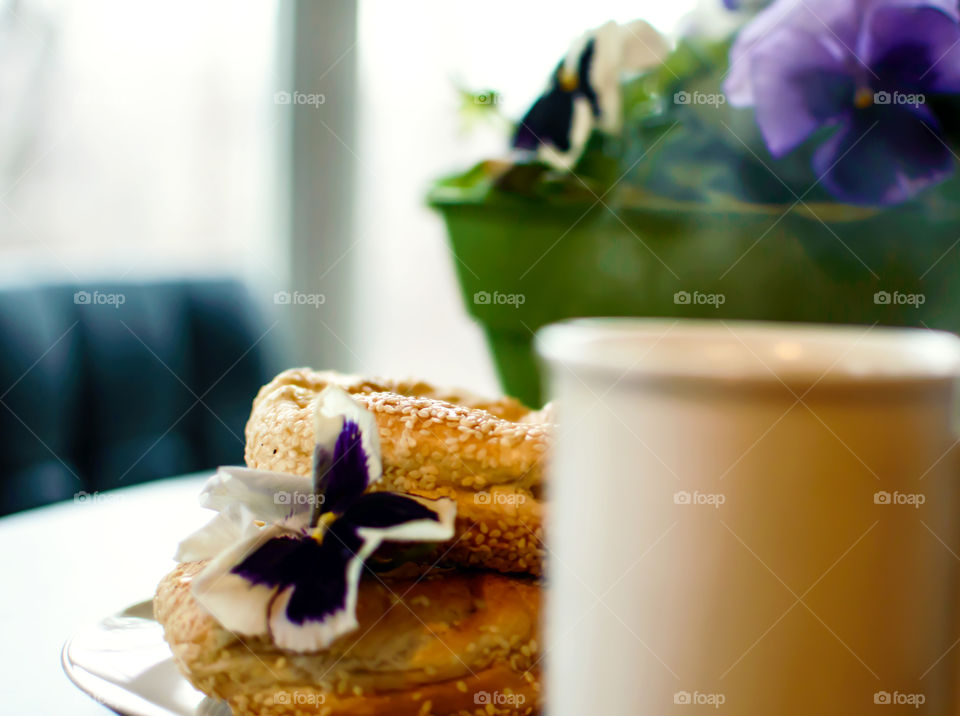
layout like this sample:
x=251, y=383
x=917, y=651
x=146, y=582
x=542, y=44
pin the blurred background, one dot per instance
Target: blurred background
x=196, y=195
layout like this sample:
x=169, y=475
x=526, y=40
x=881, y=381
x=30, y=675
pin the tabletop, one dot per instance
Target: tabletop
x=71, y=564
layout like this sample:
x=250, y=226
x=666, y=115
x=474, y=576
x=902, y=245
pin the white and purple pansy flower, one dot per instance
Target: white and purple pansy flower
x=866, y=70
x=287, y=552
x=584, y=91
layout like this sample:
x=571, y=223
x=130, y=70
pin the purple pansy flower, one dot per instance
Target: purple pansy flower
x=865, y=68
x=286, y=552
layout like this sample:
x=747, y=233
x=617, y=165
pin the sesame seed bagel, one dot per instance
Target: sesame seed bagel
x=487, y=455
x=450, y=643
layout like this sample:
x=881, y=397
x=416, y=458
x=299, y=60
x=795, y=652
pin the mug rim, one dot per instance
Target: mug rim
x=750, y=351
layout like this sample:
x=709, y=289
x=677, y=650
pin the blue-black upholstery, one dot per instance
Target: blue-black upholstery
x=96, y=396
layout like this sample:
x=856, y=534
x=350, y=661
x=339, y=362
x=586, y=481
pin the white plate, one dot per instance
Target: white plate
x=124, y=663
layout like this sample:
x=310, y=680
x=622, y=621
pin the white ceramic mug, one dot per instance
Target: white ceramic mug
x=750, y=517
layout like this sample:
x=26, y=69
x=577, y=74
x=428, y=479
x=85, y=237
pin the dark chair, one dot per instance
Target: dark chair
x=118, y=384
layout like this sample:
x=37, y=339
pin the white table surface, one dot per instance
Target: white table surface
x=73, y=563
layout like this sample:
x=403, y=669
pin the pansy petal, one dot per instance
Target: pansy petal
x=619, y=50
x=314, y=582
x=390, y=517
x=347, y=448
x=585, y=89
x=386, y=512
x=799, y=87
x=914, y=49
x=887, y=155
x=572, y=61
x=239, y=606
x=333, y=406
x=233, y=600
x=304, y=592
x=270, y=496
x=950, y=8
x=581, y=128
x=867, y=49
x=234, y=524
x=590, y=81
x=547, y=122
x=842, y=21
x=321, y=605
x=762, y=34
x=643, y=46
x=342, y=476
x=313, y=634
x=276, y=562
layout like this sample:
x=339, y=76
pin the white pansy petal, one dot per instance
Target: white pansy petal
x=571, y=61
x=622, y=50
x=643, y=46
x=270, y=496
x=239, y=605
x=333, y=406
x=231, y=525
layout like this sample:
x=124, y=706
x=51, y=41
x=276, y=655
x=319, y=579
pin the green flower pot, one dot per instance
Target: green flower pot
x=523, y=263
